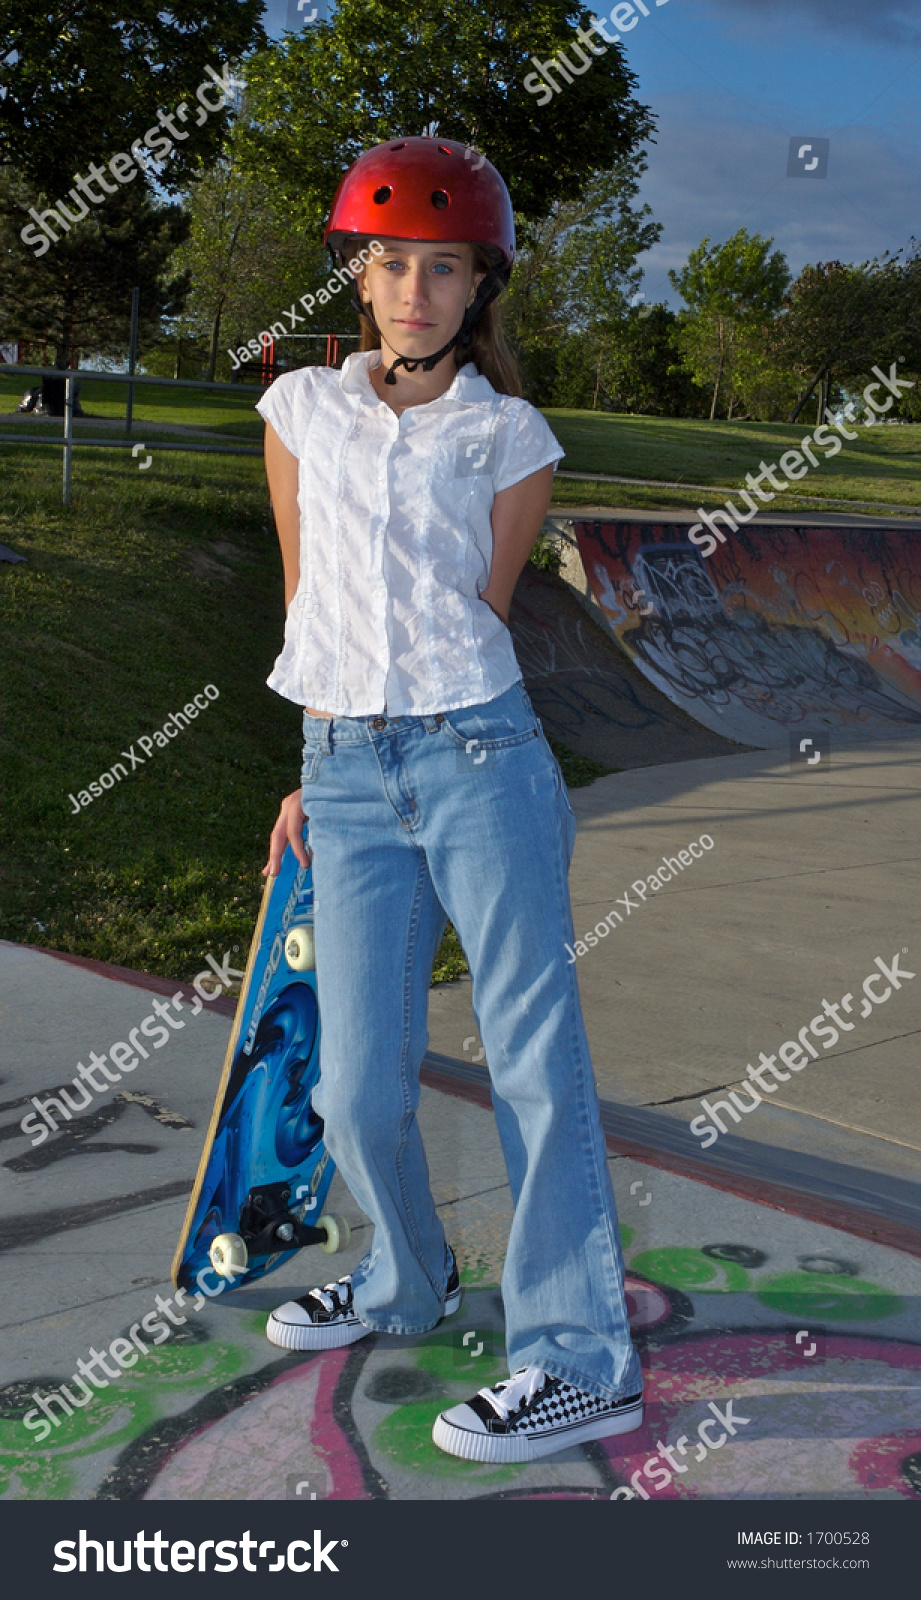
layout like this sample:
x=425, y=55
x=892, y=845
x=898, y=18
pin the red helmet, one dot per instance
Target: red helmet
x=428, y=189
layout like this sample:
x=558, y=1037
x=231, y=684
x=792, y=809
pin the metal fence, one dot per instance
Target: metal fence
x=71, y=377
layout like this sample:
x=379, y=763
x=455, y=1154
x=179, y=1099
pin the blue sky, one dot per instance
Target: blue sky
x=732, y=81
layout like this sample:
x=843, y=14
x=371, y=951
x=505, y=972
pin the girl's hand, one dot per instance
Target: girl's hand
x=288, y=830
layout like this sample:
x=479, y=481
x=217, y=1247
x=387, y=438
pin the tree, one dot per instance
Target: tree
x=728, y=289
x=81, y=81
x=377, y=71
x=764, y=384
x=840, y=320
x=640, y=369
x=245, y=261
x=78, y=296
x=576, y=271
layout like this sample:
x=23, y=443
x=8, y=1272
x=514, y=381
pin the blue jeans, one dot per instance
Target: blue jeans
x=464, y=813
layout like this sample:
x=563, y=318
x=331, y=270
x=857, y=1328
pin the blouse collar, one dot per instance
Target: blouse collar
x=469, y=386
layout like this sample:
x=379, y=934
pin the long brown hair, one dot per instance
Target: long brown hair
x=488, y=349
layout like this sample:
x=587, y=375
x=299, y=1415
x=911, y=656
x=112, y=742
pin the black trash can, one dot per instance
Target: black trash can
x=54, y=397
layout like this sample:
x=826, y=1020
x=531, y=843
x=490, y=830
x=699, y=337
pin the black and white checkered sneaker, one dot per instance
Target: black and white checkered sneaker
x=325, y=1319
x=531, y=1415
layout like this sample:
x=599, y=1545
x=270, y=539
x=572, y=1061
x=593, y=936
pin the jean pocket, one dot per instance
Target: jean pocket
x=494, y=725
x=310, y=767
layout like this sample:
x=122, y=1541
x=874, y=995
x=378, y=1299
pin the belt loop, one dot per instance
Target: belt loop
x=320, y=730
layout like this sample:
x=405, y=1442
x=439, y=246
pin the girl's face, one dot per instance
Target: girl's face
x=419, y=293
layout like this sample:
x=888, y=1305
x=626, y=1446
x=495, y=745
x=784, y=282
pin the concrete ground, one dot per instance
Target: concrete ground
x=812, y=875
x=778, y=1269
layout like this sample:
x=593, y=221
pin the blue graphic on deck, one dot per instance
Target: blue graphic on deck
x=268, y=1131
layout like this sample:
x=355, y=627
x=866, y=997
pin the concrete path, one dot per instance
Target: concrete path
x=803, y=1336
x=812, y=875
x=708, y=489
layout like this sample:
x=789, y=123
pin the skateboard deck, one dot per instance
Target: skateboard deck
x=264, y=1172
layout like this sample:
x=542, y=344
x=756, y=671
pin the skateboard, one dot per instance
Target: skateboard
x=264, y=1173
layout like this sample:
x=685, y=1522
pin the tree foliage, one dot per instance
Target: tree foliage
x=78, y=295
x=246, y=264
x=576, y=271
x=378, y=71
x=841, y=320
x=80, y=81
x=729, y=289
x=639, y=367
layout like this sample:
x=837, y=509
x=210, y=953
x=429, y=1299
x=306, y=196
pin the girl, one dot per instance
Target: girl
x=408, y=491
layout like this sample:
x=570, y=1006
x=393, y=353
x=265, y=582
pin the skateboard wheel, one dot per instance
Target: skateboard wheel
x=229, y=1256
x=299, y=950
x=338, y=1233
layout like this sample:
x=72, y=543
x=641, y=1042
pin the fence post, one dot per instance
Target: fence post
x=132, y=356
x=68, y=433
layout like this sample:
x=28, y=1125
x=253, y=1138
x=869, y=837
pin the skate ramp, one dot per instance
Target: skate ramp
x=786, y=627
x=588, y=695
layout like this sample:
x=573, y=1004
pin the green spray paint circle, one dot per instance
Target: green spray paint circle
x=405, y=1437
x=482, y=1362
x=690, y=1271
x=816, y=1294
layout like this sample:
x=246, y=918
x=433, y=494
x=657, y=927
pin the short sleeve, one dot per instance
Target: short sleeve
x=283, y=406
x=529, y=444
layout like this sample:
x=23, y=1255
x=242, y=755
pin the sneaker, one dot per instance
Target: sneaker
x=531, y=1415
x=326, y=1319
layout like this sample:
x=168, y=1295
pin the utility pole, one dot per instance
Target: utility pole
x=132, y=355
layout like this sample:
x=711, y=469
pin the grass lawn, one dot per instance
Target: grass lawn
x=149, y=587
x=221, y=412
x=882, y=465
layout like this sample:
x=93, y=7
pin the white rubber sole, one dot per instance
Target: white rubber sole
x=331, y=1336
x=453, y=1301
x=503, y=1447
x=314, y=1336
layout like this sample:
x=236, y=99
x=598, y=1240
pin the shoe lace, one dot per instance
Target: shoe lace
x=515, y=1391
x=334, y=1296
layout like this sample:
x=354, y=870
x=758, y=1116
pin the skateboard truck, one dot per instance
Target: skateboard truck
x=268, y=1226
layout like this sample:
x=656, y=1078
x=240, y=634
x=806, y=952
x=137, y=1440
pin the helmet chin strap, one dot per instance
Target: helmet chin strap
x=490, y=285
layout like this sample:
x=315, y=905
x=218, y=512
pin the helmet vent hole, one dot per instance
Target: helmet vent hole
x=444, y=150
x=401, y=146
x=382, y=195
x=441, y=200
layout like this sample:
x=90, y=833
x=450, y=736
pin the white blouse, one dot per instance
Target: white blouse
x=396, y=539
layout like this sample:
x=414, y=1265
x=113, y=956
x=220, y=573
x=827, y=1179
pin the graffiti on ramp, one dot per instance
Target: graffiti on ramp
x=784, y=627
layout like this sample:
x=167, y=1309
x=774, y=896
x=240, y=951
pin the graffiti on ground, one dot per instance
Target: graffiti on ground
x=812, y=1358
